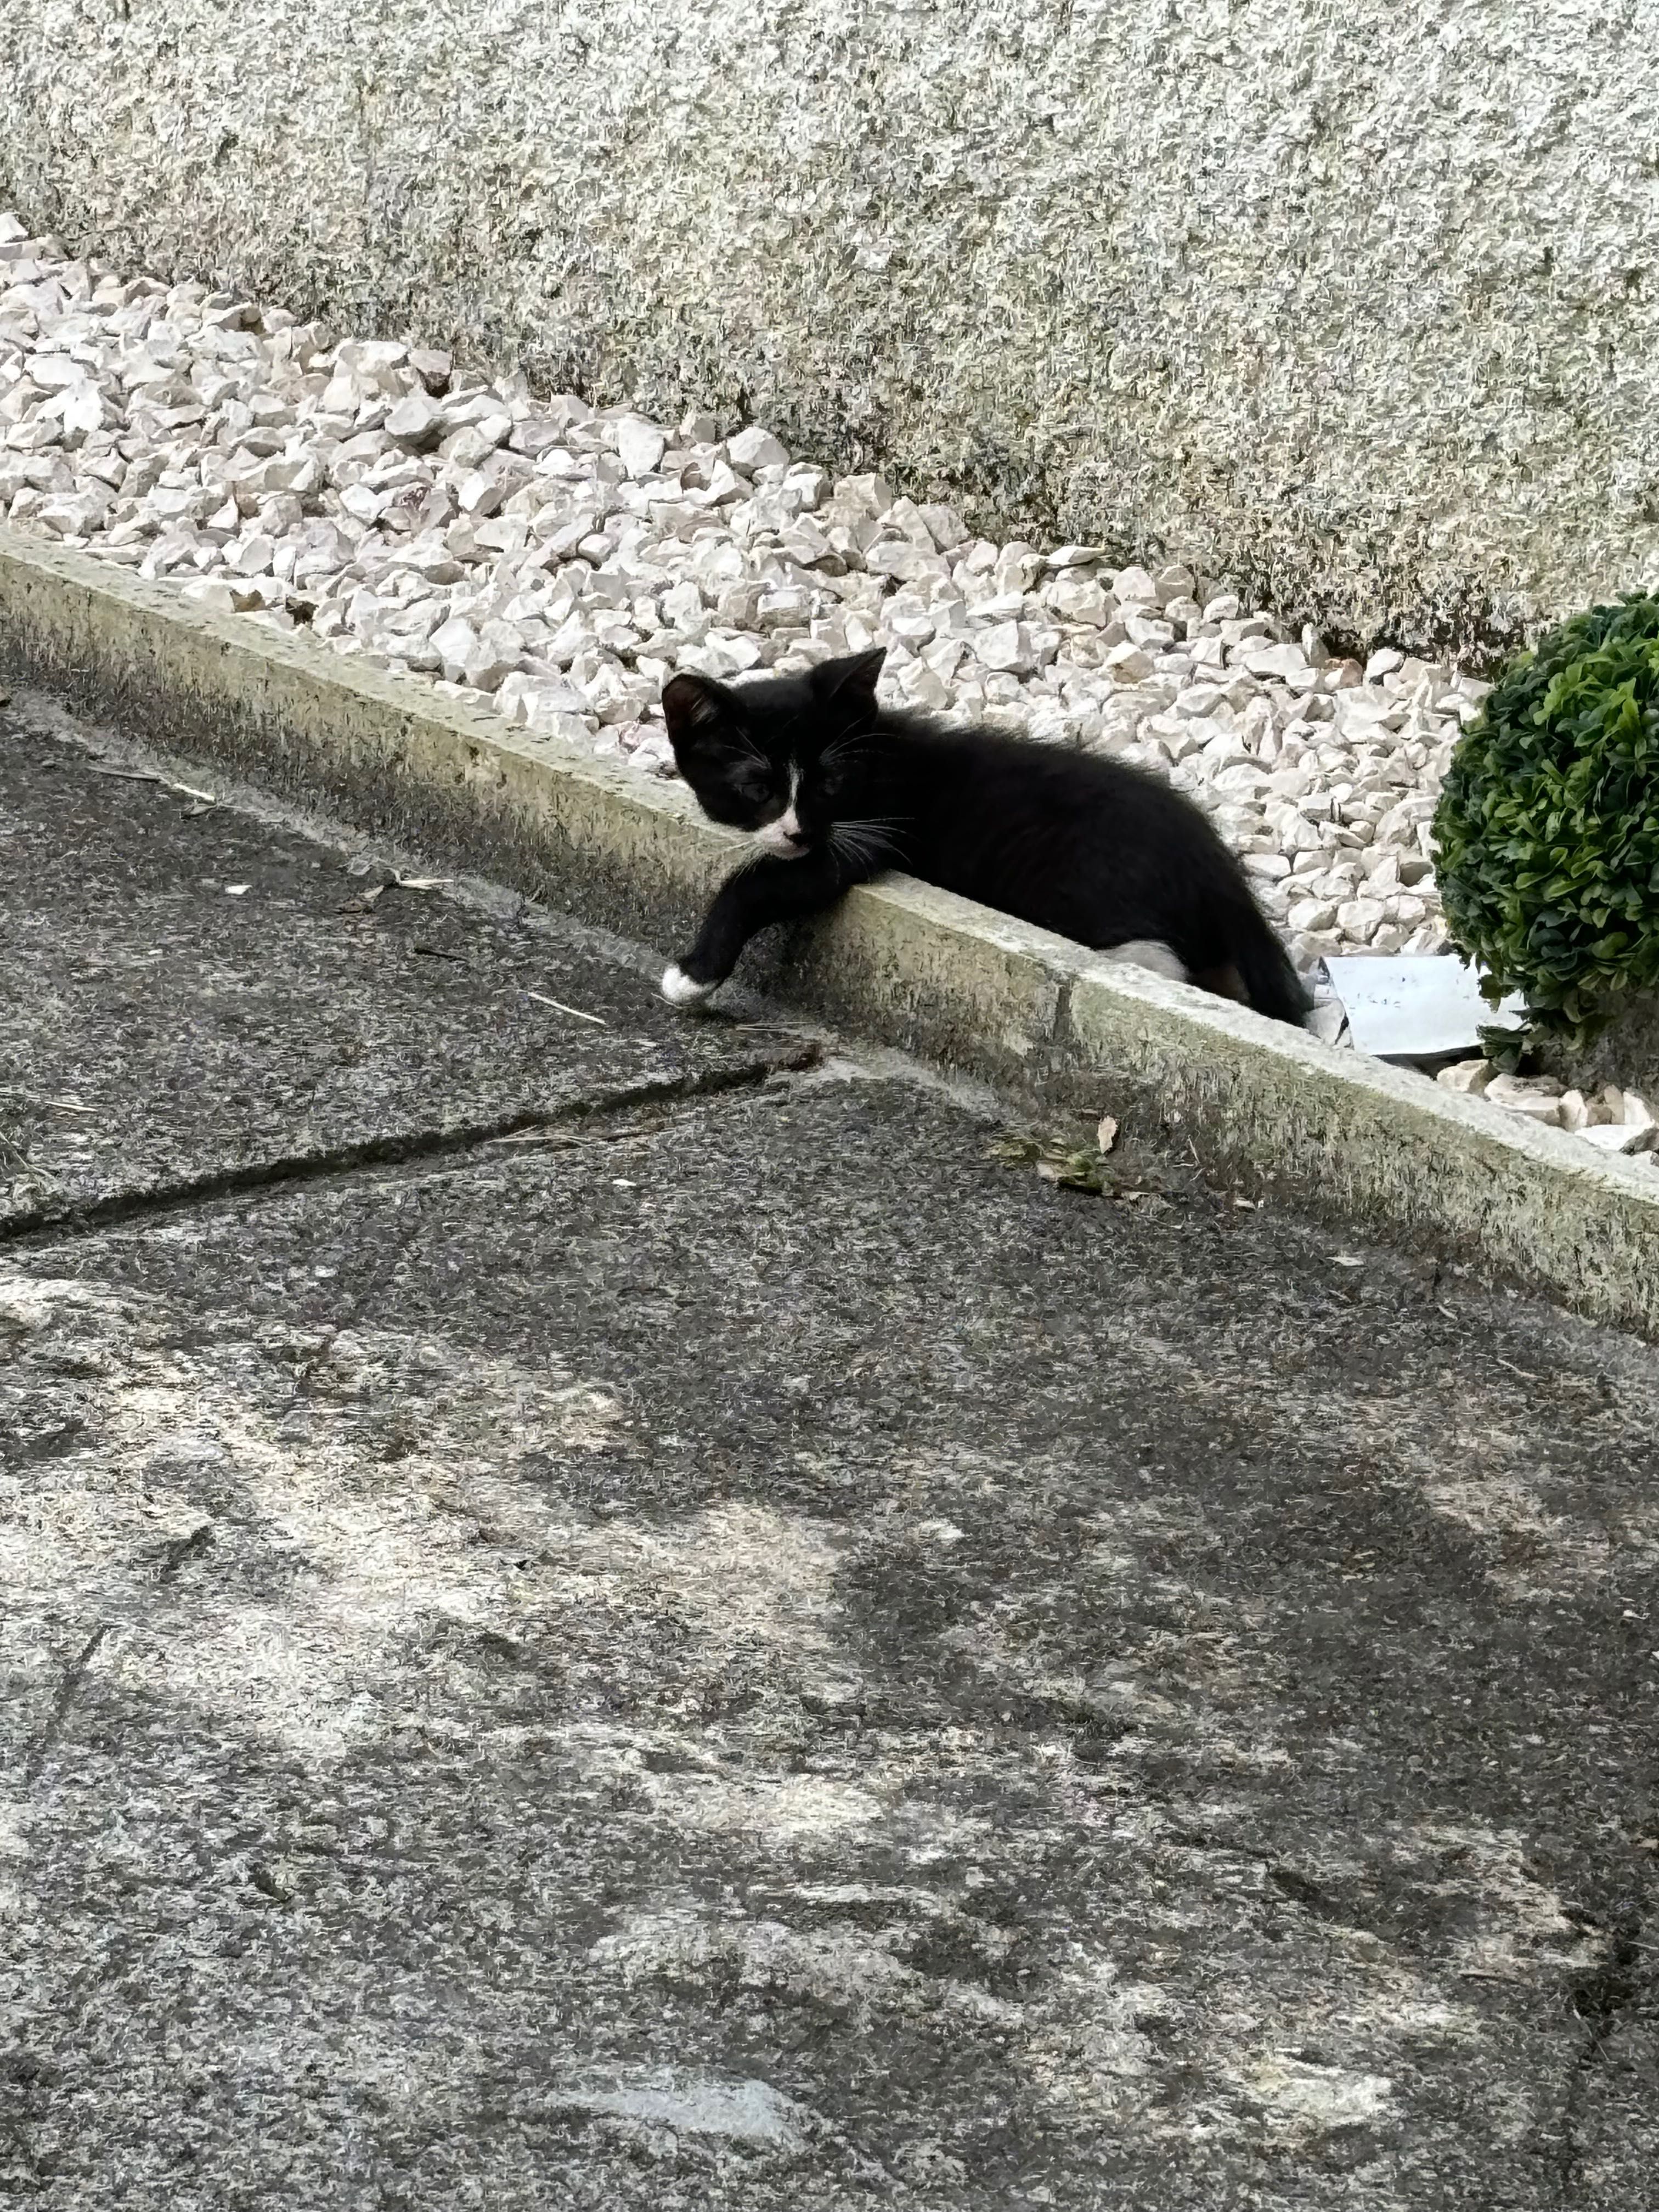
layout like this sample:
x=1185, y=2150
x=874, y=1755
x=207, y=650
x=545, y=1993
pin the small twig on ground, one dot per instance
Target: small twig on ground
x=542, y=999
x=204, y=798
x=1525, y=1373
x=365, y=902
x=32, y=1174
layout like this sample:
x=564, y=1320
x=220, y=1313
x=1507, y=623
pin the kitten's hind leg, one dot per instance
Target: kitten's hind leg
x=1151, y=953
x=1224, y=982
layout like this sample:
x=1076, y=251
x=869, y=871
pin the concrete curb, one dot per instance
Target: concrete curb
x=901, y=963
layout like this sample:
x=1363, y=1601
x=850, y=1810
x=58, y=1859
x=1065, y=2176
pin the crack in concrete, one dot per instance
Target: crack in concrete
x=1299, y=1887
x=68, y=1689
x=20, y=2072
x=1603, y=1999
x=287, y=1170
x=180, y=1550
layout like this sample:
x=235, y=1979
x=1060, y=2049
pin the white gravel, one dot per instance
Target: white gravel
x=559, y=563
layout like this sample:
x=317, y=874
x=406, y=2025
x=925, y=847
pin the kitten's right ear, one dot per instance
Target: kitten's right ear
x=693, y=706
x=851, y=680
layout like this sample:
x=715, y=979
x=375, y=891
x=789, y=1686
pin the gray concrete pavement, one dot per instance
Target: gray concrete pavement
x=729, y=1649
x=190, y=996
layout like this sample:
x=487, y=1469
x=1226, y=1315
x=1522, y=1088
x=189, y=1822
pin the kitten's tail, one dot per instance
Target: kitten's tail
x=1271, y=983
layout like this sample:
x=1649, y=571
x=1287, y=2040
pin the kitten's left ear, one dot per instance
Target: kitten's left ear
x=851, y=682
x=693, y=706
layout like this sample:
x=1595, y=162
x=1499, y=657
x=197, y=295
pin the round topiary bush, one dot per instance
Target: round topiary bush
x=1548, y=828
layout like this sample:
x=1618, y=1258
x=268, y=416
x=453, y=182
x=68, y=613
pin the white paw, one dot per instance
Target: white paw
x=678, y=988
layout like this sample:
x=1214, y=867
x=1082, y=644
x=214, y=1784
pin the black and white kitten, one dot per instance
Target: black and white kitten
x=833, y=790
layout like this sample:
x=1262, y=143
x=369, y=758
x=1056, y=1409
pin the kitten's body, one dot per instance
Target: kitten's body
x=834, y=791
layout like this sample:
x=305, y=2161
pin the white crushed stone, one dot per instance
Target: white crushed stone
x=561, y=562
x=1614, y=1120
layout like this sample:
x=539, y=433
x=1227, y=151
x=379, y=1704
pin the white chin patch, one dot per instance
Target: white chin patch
x=1148, y=952
x=678, y=988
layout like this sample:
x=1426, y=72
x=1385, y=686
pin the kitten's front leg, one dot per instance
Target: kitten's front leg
x=758, y=895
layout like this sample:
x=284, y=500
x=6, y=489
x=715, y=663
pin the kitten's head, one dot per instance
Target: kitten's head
x=787, y=759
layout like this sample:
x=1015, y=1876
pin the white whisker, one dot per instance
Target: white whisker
x=843, y=748
x=864, y=844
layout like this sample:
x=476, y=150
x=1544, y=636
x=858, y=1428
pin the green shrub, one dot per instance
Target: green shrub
x=1548, y=828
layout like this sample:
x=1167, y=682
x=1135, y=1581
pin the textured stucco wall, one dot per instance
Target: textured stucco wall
x=1355, y=303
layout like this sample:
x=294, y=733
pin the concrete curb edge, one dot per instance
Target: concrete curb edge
x=900, y=963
